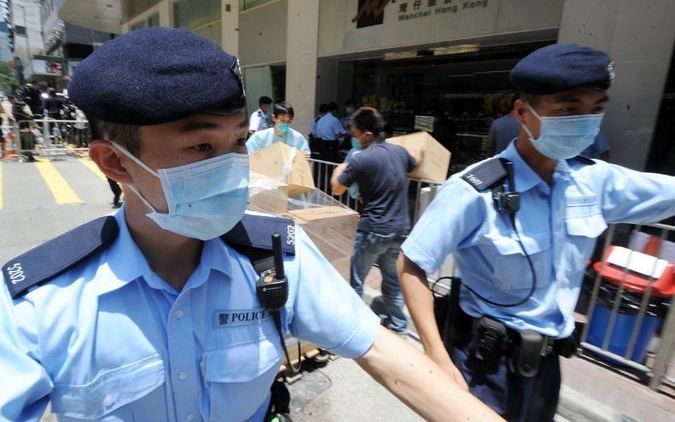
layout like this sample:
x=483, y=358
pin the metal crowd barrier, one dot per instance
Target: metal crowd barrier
x=634, y=313
x=50, y=138
x=423, y=191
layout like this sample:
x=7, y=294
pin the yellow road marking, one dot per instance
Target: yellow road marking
x=63, y=193
x=93, y=167
x=1, y=186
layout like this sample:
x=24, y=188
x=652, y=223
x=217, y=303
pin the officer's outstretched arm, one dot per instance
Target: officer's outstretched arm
x=419, y=382
x=420, y=303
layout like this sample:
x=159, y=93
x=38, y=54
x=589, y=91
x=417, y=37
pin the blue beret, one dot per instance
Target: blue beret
x=157, y=75
x=561, y=67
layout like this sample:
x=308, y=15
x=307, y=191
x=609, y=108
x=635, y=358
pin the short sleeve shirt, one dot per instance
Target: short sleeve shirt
x=110, y=340
x=381, y=173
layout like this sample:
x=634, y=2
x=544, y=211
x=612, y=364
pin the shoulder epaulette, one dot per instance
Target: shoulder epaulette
x=255, y=231
x=486, y=174
x=54, y=257
x=583, y=160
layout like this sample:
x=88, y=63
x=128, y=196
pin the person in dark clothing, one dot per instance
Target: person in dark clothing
x=25, y=132
x=380, y=171
x=117, y=191
x=31, y=96
x=52, y=106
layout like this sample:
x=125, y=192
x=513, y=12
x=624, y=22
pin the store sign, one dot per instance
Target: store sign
x=408, y=10
x=370, y=13
x=47, y=67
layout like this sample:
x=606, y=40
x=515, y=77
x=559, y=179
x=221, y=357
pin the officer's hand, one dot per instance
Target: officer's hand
x=443, y=360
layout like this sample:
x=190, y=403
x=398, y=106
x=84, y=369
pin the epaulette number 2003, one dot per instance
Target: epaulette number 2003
x=15, y=273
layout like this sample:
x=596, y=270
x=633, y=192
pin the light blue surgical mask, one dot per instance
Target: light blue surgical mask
x=205, y=199
x=563, y=137
x=282, y=127
x=355, y=143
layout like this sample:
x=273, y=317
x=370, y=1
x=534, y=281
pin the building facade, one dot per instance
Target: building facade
x=445, y=59
x=6, y=34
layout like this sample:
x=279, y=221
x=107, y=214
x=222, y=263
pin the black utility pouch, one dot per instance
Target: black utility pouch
x=566, y=347
x=526, y=353
x=490, y=340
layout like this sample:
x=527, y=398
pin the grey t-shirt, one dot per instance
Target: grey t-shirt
x=380, y=171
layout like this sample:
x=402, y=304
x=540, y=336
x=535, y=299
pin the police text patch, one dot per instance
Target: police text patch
x=237, y=317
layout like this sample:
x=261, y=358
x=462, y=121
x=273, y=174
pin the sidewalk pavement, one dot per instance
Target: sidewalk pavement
x=591, y=392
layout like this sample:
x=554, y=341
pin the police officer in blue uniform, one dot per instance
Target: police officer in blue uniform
x=158, y=313
x=521, y=227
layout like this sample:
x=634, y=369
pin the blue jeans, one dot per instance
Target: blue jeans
x=371, y=248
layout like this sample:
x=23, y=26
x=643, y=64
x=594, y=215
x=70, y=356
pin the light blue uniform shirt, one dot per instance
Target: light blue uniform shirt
x=264, y=138
x=329, y=127
x=558, y=225
x=110, y=340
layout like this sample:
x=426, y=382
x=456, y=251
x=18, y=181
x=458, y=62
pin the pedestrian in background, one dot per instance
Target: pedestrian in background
x=503, y=130
x=282, y=116
x=330, y=132
x=380, y=169
x=260, y=119
x=314, y=140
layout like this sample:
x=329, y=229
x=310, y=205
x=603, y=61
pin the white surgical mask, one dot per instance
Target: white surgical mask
x=205, y=199
x=563, y=137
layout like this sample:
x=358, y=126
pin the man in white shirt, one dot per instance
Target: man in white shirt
x=260, y=119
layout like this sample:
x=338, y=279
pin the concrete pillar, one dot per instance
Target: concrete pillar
x=229, y=10
x=301, y=52
x=639, y=36
x=165, y=13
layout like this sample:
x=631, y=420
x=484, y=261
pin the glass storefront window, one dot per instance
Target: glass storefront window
x=195, y=13
x=150, y=22
x=247, y=4
x=132, y=8
x=153, y=20
x=140, y=25
x=202, y=16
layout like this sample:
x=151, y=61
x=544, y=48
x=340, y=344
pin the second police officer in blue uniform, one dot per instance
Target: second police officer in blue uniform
x=522, y=227
x=149, y=315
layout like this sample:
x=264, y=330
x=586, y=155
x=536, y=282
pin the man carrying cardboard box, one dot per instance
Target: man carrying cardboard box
x=381, y=173
x=282, y=115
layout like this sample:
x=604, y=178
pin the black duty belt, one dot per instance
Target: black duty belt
x=469, y=328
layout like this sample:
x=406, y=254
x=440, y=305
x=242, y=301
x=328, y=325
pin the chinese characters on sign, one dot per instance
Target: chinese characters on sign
x=421, y=8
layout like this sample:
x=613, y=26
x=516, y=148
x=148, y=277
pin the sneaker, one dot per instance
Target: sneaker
x=386, y=323
x=117, y=205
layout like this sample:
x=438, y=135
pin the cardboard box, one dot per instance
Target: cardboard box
x=273, y=201
x=436, y=158
x=285, y=164
x=333, y=231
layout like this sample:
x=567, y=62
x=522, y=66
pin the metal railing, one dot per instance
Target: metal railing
x=630, y=299
x=421, y=191
x=50, y=138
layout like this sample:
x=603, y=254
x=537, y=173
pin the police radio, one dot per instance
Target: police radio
x=507, y=202
x=272, y=292
x=272, y=285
